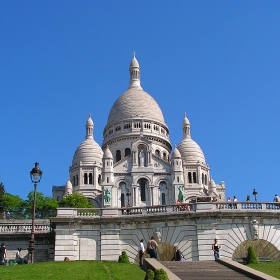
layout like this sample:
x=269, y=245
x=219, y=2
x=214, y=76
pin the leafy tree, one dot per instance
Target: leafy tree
x=13, y=205
x=2, y=192
x=252, y=257
x=45, y=206
x=149, y=275
x=123, y=258
x=75, y=200
x=160, y=274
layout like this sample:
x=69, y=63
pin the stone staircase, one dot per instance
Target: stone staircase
x=200, y=270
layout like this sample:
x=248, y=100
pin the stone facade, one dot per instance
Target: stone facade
x=83, y=237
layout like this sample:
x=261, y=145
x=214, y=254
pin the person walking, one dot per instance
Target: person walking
x=177, y=254
x=141, y=251
x=216, y=249
x=152, y=247
x=3, y=254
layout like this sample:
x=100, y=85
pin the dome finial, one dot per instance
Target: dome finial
x=186, y=127
x=134, y=70
x=89, y=127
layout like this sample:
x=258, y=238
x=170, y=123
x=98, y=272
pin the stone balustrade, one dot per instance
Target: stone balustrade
x=158, y=209
x=18, y=227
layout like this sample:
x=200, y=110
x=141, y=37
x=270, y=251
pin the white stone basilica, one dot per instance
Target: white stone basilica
x=135, y=166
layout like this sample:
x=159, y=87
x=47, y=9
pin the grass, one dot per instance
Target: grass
x=270, y=268
x=82, y=270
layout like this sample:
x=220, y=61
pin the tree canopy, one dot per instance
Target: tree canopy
x=75, y=200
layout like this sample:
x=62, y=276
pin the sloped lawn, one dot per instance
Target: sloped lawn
x=270, y=268
x=76, y=270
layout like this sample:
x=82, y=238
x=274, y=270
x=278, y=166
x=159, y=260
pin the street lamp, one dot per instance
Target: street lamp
x=35, y=175
x=255, y=193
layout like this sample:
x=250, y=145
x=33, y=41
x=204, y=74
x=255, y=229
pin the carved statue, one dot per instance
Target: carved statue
x=181, y=195
x=107, y=195
x=142, y=158
x=255, y=228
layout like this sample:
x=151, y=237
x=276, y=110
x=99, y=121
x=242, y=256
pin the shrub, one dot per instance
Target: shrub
x=252, y=257
x=160, y=274
x=123, y=258
x=149, y=275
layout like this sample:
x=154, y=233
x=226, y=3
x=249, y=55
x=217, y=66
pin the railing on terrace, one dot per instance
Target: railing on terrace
x=160, y=209
x=16, y=227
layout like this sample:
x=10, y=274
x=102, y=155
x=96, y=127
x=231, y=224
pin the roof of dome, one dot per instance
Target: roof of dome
x=190, y=151
x=175, y=153
x=68, y=185
x=88, y=152
x=89, y=121
x=135, y=102
x=185, y=121
x=107, y=153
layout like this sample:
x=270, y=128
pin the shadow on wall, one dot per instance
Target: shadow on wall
x=262, y=248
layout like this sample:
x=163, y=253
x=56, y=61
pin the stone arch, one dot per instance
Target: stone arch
x=262, y=248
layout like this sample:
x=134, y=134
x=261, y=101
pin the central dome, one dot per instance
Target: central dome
x=135, y=102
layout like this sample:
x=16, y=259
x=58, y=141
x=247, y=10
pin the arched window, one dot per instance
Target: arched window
x=202, y=177
x=122, y=200
x=205, y=180
x=164, y=156
x=190, y=177
x=142, y=185
x=77, y=180
x=90, y=178
x=118, y=155
x=163, y=199
x=85, y=178
x=99, y=179
x=74, y=181
x=162, y=185
x=127, y=152
x=194, y=177
x=157, y=152
x=107, y=179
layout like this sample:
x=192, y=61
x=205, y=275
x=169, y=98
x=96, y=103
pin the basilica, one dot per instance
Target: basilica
x=136, y=166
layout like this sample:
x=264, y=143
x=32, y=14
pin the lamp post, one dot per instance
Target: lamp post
x=255, y=193
x=35, y=175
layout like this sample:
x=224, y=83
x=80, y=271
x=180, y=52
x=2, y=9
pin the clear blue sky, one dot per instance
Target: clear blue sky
x=218, y=61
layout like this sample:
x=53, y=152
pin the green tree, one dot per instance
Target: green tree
x=45, y=206
x=13, y=205
x=123, y=258
x=149, y=275
x=2, y=192
x=75, y=200
x=160, y=274
x=252, y=257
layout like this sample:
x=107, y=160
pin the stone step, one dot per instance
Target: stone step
x=200, y=270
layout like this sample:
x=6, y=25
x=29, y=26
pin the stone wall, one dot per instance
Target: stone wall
x=105, y=237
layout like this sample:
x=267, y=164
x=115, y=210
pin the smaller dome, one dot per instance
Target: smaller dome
x=190, y=151
x=134, y=63
x=175, y=153
x=88, y=152
x=107, y=153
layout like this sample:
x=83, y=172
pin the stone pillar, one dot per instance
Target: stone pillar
x=110, y=244
x=66, y=244
x=206, y=233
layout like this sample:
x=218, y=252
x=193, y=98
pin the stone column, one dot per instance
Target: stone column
x=206, y=233
x=110, y=244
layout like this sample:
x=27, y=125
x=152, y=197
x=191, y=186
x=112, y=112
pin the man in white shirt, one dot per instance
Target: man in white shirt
x=141, y=250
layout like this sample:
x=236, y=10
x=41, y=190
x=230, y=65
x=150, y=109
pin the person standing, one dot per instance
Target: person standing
x=216, y=249
x=152, y=246
x=141, y=251
x=177, y=254
x=3, y=254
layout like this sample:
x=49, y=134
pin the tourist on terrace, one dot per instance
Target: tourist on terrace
x=276, y=198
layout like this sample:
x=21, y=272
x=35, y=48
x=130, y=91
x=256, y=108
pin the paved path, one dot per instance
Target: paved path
x=203, y=270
